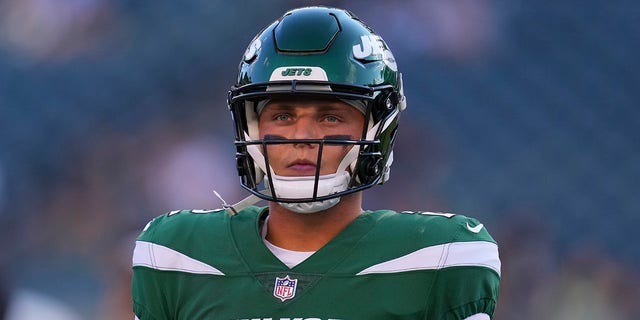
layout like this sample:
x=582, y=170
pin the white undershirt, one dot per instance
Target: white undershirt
x=289, y=257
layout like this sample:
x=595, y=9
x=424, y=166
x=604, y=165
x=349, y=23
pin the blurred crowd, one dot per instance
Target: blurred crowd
x=522, y=114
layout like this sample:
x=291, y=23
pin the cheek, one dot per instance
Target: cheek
x=263, y=130
x=334, y=154
x=267, y=128
x=274, y=151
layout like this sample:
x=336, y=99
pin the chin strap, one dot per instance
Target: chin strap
x=310, y=207
x=233, y=209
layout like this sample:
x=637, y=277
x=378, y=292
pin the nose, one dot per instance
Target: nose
x=306, y=128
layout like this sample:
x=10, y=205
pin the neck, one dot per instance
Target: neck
x=310, y=232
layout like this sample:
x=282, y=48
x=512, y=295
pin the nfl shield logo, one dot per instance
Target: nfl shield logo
x=285, y=288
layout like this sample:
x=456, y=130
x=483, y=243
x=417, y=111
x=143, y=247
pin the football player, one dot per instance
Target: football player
x=315, y=109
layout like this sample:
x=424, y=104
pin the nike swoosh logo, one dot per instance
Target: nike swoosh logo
x=475, y=229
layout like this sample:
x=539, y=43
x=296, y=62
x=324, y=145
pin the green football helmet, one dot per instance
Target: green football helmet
x=317, y=52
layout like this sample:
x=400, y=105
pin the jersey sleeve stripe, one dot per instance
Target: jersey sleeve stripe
x=155, y=256
x=479, y=316
x=455, y=254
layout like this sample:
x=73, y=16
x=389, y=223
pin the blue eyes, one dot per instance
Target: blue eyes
x=287, y=117
x=331, y=119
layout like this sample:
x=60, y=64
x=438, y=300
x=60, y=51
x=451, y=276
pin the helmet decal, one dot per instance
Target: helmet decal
x=252, y=50
x=389, y=60
x=298, y=73
x=370, y=45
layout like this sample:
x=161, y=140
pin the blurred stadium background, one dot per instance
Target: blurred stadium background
x=523, y=114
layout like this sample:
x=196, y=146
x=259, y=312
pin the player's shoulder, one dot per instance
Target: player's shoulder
x=428, y=240
x=192, y=241
x=178, y=224
x=435, y=226
x=175, y=222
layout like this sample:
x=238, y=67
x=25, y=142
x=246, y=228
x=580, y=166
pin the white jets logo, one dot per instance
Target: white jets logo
x=370, y=45
x=373, y=47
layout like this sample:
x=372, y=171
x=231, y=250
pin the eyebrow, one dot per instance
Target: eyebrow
x=327, y=137
x=289, y=106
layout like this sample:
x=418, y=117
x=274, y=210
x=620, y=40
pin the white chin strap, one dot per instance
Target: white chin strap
x=301, y=187
x=310, y=207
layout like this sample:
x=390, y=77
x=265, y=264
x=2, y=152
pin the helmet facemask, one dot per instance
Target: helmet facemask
x=363, y=165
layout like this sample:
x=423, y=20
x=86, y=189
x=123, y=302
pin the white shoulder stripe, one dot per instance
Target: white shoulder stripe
x=159, y=257
x=473, y=253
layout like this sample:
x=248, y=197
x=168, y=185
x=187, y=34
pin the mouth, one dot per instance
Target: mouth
x=303, y=167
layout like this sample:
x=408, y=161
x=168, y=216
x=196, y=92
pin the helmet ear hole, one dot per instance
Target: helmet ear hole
x=384, y=104
x=246, y=169
x=369, y=168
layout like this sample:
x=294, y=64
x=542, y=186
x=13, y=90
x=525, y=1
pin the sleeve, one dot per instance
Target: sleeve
x=468, y=280
x=146, y=285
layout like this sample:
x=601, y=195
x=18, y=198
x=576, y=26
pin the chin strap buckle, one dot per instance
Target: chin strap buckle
x=233, y=209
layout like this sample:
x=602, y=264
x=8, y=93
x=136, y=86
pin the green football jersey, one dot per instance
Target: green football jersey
x=385, y=265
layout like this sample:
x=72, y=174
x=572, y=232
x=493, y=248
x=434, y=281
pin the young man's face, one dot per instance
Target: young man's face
x=308, y=119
